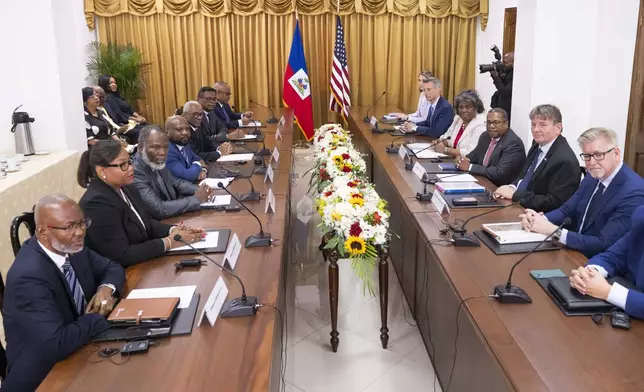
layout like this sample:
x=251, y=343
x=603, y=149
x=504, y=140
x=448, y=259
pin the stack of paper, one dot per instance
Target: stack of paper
x=459, y=187
x=212, y=182
x=211, y=240
x=251, y=124
x=184, y=293
x=235, y=158
x=222, y=200
x=456, y=177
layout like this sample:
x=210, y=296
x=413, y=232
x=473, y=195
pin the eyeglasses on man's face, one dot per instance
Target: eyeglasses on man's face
x=495, y=124
x=599, y=156
x=83, y=224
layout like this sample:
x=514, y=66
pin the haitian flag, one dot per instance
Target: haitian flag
x=296, y=92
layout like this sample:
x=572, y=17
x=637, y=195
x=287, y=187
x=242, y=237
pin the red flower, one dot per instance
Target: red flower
x=345, y=156
x=376, y=218
x=357, y=195
x=351, y=184
x=355, y=229
x=346, y=169
x=322, y=149
x=334, y=133
x=320, y=138
x=323, y=174
x=329, y=193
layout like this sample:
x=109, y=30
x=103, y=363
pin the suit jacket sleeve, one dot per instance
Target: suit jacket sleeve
x=220, y=130
x=39, y=313
x=614, y=259
x=157, y=207
x=441, y=124
x=568, y=208
x=513, y=156
x=105, y=271
x=110, y=238
x=176, y=167
x=618, y=224
x=562, y=184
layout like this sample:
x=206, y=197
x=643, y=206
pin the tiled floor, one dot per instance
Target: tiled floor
x=360, y=363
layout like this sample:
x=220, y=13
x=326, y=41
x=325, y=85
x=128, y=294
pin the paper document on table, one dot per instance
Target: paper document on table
x=235, y=157
x=221, y=200
x=418, y=146
x=184, y=293
x=211, y=240
x=511, y=233
x=212, y=182
x=430, y=154
x=250, y=124
x=456, y=177
x=247, y=137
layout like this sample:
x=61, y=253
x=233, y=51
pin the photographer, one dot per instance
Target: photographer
x=502, y=76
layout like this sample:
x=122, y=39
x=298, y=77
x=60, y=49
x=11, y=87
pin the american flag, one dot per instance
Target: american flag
x=339, y=83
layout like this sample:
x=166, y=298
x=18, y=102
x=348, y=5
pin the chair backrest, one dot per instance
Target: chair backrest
x=28, y=219
x=584, y=172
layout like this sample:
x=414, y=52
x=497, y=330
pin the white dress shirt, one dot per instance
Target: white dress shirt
x=60, y=261
x=421, y=112
x=544, y=151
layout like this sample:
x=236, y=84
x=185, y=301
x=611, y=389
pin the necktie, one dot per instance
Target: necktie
x=528, y=176
x=184, y=154
x=74, y=286
x=430, y=114
x=592, y=206
x=488, y=153
x=205, y=117
x=226, y=116
x=458, y=136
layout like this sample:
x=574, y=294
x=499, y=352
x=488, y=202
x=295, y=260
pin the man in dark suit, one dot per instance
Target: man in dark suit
x=164, y=194
x=225, y=112
x=602, y=207
x=624, y=259
x=182, y=161
x=201, y=144
x=439, y=116
x=499, y=154
x=57, y=296
x=216, y=129
x=551, y=173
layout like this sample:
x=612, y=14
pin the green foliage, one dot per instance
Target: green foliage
x=124, y=63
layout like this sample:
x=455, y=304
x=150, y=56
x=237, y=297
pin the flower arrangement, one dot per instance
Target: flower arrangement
x=348, y=204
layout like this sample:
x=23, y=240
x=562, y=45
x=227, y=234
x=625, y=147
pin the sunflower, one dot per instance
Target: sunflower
x=356, y=201
x=355, y=246
x=338, y=159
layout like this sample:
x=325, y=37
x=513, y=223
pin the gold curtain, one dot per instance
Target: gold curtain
x=249, y=48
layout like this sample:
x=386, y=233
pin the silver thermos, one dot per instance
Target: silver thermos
x=22, y=132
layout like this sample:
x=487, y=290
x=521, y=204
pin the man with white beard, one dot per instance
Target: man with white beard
x=57, y=296
x=163, y=193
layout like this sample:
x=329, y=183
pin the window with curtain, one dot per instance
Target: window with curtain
x=191, y=43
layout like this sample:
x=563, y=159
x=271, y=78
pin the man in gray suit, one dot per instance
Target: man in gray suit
x=164, y=194
x=499, y=154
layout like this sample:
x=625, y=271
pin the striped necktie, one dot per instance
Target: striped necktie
x=74, y=286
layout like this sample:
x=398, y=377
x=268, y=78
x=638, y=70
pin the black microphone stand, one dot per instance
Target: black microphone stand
x=272, y=119
x=252, y=195
x=366, y=117
x=464, y=239
x=510, y=294
x=261, y=239
x=391, y=149
x=236, y=307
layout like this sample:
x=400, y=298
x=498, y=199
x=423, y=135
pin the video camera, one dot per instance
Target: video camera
x=497, y=65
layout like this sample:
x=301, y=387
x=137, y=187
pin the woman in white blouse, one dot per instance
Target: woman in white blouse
x=423, y=104
x=467, y=127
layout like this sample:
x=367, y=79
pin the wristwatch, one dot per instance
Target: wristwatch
x=557, y=235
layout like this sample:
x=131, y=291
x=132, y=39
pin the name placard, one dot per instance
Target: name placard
x=270, y=202
x=419, y=170
x=232, y=252
x=215, y=302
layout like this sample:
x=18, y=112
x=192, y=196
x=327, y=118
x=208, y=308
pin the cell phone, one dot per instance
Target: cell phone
x=137, y=347
x=620, y=320
x=465, y=201
x=546, y=274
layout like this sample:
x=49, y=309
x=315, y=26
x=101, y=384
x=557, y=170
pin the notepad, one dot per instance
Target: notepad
x=459, y=187
x=212, y=182
x=184, y=293
x=217, y=201
x=250, y=124
x=211, y=240
x=235, y=158
x=456, y=178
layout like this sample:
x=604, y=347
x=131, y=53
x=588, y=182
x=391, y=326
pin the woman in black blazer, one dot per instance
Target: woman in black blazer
x=119, y=109
x=122, y=229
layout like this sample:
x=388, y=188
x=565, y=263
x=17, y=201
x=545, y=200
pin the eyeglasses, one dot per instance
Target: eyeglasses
x=123, y=165
x=495, y=123
x=83, y=225
x=599, y=156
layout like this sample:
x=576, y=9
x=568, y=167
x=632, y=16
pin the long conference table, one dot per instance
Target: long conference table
x=500, y=347
x=237, y=354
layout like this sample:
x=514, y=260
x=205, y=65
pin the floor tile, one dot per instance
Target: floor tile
x=420, y=356
x=313, y=367
x=407, y=375
x=302, y=324
x=291, y=388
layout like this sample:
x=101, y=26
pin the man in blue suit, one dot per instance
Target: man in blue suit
x=624, y=259
x=57, y=296
x=601, y=208
x=223, y=110
x=182, y=161
x=439, y=116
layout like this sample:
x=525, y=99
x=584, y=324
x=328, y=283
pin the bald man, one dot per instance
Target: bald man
x=182, y=160
x=502, y=98
x=57, y=296
x=201, y=144
x=223, y=110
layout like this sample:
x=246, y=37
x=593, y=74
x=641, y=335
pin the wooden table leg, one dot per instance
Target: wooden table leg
x=383, y=277
x=333, y=300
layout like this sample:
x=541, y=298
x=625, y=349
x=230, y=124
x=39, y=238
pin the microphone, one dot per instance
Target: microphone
x=463, y=239
x=252, y=195
x=509, y=294
x=257, y=158
x=260, y=239
x=391, y=149
x=264, y=152
x=367, y=118
x=271, y=120
x=410, y=165
x=236, y=307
